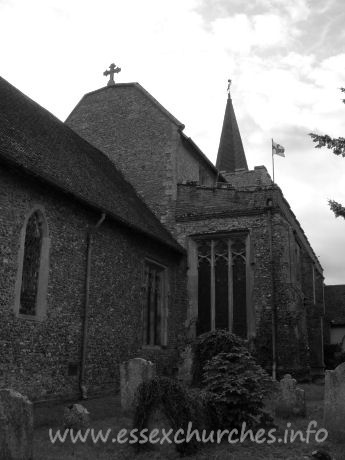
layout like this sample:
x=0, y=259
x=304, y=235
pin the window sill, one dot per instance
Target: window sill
x=33, y=318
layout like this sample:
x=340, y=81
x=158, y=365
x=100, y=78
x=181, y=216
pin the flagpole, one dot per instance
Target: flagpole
x=272, y=160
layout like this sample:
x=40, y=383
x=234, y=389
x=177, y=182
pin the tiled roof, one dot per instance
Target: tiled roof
x=34, y=140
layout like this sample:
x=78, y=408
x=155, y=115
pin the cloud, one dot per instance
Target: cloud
x=295, y=10
x=241, y=33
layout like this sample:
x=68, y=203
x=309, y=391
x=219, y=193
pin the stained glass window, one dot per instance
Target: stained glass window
x=31, y=264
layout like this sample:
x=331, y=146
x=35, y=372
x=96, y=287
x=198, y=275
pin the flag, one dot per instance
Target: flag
x=277, y=149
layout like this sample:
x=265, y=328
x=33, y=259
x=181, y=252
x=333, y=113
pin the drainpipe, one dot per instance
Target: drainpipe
x=91, y=231
x=274, y=308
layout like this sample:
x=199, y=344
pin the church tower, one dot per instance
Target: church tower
x=231, y=154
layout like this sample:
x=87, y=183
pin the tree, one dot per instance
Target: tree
x=338, y=147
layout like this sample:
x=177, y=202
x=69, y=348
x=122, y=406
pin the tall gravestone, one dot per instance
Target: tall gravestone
x=16, y=426
x=334, y=405
x=290, y=400
x=132, y=374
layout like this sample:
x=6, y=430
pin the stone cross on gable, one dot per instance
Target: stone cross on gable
x=113, y=69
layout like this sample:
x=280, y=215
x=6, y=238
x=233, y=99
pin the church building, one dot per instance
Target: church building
x=251, y=268
x=119, y=238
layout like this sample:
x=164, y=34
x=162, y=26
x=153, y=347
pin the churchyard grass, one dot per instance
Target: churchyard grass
x=101, y=410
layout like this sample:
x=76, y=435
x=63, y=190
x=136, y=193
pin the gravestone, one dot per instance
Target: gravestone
x=76, y=417
x=334, y=403
x=16, y=426
x=132, y=374
x=186, y=364
x=290, y=400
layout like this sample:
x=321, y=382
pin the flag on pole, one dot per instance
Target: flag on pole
x=277, y=149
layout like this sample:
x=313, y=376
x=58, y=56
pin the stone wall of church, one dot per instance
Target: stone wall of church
x=202, y=210
x=42, y=358
x=313, y=290
x=211, y=211
x=125, y=124
x=190, y=167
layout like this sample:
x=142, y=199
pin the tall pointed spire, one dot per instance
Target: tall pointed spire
x=231, y=154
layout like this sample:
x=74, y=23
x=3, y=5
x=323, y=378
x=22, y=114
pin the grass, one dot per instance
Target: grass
x=106, y=413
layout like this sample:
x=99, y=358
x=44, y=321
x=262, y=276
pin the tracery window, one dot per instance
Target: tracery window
x=222, y=284
x=154, y=314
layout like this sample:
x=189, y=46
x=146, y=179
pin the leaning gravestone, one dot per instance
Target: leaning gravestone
x=16, y=426
x=76, y=417
x=334, y=405
x=132, y=374
x=290, y=400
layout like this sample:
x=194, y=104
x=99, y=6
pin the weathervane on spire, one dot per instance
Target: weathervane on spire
x=228, y=88
x=113, y=69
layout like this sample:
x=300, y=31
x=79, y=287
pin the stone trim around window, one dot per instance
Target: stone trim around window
x=193, y=279
x=43, y=273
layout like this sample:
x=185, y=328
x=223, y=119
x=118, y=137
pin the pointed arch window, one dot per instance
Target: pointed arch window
x=32, y=279
x=222, y=284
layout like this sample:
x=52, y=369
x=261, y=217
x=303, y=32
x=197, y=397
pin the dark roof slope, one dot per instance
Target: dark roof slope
x=33, y=139
x=335, y=303
x=231, y=154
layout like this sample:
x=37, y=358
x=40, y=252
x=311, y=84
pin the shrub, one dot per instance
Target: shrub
x=175, y=402
x=210, y=344
x=238, y=386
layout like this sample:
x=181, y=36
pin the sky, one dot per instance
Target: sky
x=286, y=60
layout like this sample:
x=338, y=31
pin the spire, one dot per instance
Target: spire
x=231, y=154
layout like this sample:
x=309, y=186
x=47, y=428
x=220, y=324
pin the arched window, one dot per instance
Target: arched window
x=33, y=267
x=222, y=284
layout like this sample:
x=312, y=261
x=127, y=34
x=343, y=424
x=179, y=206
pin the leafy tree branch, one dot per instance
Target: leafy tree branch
x=337, y=145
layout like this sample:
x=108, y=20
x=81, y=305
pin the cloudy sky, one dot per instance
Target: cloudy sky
x=285, y=58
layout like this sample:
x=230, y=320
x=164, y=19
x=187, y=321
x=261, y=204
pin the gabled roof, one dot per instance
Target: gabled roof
x=32, y=139
x=141, y=89
x=231, y=154
x=87, y=101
